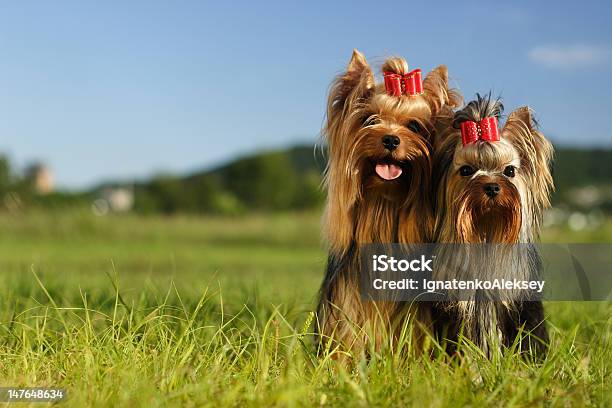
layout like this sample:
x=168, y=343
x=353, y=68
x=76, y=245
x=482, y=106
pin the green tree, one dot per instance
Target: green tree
x=264, y=182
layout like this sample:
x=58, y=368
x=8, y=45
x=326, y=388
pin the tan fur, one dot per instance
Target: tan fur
x=362, y=207
x=521, y=145
x=464, y=214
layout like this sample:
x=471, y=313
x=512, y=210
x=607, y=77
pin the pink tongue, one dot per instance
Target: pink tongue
x=388, y=171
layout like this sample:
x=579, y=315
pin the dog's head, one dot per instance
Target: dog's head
x=491, y=189
x=378, y=141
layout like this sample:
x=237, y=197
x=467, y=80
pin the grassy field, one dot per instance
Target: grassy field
x=129, y=311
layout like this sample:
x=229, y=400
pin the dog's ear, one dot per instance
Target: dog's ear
x=437, y=92
x=348, y=93
x=523, y=116
x=357, y=63
x=351, y=87
x=536, y=156
x=537, y=151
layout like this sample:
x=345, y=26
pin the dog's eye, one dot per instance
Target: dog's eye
x=370, y=120
x=466, y=171
x=510, y=171
x=415, y=127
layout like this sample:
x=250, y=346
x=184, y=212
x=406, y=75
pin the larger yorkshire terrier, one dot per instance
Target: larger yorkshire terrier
x=491, y=188
x=377, y=180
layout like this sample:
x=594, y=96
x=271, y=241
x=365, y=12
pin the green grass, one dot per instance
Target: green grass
x=129, y=311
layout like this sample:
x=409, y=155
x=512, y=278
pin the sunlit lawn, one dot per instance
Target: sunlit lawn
x=131, y=311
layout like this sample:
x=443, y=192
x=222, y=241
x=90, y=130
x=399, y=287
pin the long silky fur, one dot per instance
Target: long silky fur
x=461, y=217
x=363, y=209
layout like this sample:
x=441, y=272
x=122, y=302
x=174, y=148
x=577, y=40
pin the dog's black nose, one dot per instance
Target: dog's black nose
x=491, y=189
x=390, y=142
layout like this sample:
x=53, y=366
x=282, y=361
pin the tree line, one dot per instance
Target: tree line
x=276, y=180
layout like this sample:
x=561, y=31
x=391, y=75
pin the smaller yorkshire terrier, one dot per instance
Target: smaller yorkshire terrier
x=491, y=188
x=377, y=178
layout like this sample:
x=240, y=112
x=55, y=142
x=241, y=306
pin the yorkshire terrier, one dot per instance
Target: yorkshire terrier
x=491, y=187
x=377, y=179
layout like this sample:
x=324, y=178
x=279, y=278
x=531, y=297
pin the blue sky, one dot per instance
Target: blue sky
x=115, y=90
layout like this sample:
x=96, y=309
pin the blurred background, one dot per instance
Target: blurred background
x=169, y=136
x=202, y=108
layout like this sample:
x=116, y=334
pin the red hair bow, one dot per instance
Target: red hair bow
x=486, y=130
x=409, y=84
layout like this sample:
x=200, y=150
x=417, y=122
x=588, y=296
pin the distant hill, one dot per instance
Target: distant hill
x=270, y=180
x=281, y=180
x=578, y=167
x=290, y=179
